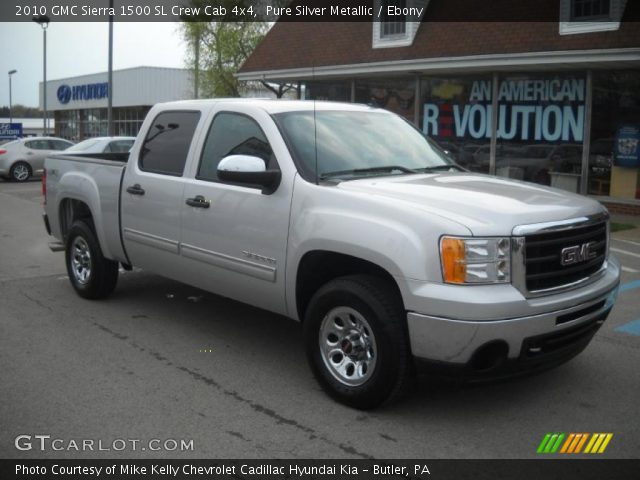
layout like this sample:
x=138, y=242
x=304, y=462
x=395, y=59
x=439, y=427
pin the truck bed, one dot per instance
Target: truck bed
x=95, y=180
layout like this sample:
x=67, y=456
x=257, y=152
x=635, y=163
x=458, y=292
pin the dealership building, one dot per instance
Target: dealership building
x=79, y=104
x=566, y=92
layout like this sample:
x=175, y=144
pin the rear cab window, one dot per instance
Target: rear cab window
x=167, y=143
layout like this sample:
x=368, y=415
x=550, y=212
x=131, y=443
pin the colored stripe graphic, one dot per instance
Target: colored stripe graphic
x=558, y=442
x=565, y=447
x=550, y=443
x=581, y=443
x=544, y=442
x=598, y=442
x=573, y=443
x=605, y=443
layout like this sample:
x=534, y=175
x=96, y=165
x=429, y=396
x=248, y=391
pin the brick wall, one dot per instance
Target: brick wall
x=622, y=208
x=487, y=31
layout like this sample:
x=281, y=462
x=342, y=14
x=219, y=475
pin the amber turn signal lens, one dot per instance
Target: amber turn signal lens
x=454, y=267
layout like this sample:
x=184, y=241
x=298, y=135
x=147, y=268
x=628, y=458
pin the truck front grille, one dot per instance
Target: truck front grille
x=546, y=265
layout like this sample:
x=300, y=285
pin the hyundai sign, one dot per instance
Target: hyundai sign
x=10, y=130
x=90, y=91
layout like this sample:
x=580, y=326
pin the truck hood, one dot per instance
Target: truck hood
x=484, y=204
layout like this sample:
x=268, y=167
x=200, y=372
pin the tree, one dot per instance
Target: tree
x=20, y=111
x=279, y=89
x=218, y=47
x=225, y=47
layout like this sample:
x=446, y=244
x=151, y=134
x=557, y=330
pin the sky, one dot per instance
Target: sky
x=79, y=49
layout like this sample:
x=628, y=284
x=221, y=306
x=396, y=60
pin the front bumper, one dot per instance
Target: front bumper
x=506, y=346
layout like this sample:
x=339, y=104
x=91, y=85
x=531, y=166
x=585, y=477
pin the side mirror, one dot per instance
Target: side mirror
x=249, y=170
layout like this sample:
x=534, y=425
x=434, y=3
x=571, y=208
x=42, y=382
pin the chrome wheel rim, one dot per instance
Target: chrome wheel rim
x=348, y=346
x=81, y=260
x=21, y=172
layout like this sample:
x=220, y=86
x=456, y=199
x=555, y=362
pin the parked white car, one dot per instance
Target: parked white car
x=22, y=158
x=103, y=145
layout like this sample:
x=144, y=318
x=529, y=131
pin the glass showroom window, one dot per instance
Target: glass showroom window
x=614, y=154
x=395, y=95
x=456, y=114
x=541, y=121
x=335, y=91
x=68, y=124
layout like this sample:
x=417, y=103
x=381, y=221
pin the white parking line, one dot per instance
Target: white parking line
x=627, y=241
x=625, y=252
x=629, y=270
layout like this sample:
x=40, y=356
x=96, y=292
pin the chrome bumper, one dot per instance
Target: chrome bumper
x=455, y=341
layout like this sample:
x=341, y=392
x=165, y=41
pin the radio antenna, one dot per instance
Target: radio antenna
x=315, y=126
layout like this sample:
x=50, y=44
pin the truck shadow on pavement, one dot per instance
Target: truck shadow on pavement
x=275, y=347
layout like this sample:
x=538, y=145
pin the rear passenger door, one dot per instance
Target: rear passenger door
x=36, y=151
x=152, y=191
x=59, y=145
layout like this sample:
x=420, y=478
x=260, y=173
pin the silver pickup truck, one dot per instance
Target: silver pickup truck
x=347, y=219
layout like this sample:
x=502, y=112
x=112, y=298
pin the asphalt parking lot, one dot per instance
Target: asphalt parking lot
x=161, y=360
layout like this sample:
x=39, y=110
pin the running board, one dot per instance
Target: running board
x=56, y=246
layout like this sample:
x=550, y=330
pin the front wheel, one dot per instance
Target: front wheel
x=356, y=340
x=92, y=275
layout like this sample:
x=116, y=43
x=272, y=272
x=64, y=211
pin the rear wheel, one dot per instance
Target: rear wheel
x=92, y=275
x=357, y=342
x=20, y=172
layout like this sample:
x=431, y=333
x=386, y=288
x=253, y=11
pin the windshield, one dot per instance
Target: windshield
x=354, y=144
x=84, y=145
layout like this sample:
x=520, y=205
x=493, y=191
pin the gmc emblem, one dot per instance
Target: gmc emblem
x=578, y=254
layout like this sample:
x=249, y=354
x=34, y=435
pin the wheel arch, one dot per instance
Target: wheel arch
x=77, y=195
x=318, y=267
x=71, y=210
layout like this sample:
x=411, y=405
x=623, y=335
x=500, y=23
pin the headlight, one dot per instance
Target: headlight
x=475, y=260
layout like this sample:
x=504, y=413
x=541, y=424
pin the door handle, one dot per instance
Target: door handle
x=198, y=201
x=135, y=189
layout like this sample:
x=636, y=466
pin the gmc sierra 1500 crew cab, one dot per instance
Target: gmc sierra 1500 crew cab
x=348, y=219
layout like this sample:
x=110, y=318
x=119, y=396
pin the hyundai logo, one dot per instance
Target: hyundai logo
x=64, y=94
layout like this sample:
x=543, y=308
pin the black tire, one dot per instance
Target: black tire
x=16, y=173
x=374, y=301
x=101, y=277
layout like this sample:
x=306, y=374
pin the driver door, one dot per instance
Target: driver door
x=234, y=237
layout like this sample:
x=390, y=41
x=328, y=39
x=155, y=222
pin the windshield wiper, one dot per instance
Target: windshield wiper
x=387, y=168
x=440, y=168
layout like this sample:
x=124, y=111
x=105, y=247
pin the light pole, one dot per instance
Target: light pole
x=110, y=130
x=11, y=72
x=43, y=21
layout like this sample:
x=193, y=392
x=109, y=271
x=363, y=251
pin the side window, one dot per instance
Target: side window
x=119, y=146
x=167, y=143
x=233, y=134
x=59, y=144
x=38, y=144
